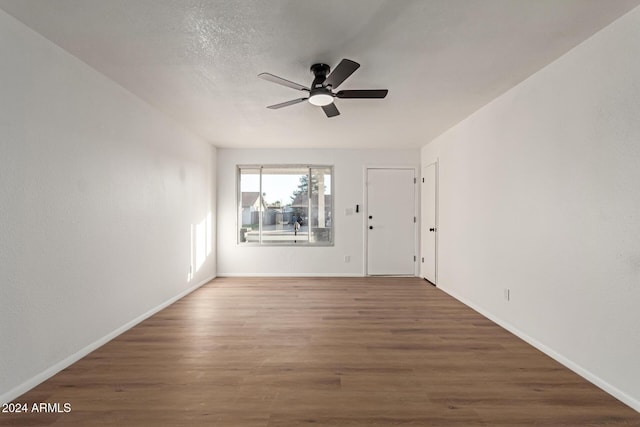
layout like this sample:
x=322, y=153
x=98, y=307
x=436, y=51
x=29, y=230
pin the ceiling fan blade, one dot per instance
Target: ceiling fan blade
x=331, y=110
x=286, y=104
x=279, y=80
x=366, y=93
x=345, y=68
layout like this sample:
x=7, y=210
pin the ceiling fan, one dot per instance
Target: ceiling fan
x=321, y=92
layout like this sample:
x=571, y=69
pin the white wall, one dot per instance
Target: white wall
x=540, y=193
x=98, y=195
x=234, y=259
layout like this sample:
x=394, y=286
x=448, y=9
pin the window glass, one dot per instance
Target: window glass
x=285, y=205
x=249, y=207
x=321, y=205
x=285, y=219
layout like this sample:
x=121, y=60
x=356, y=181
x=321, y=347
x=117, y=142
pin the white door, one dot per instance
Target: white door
x=390, y=222
x=428, y=245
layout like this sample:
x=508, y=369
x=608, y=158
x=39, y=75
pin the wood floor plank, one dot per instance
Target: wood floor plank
x=270, y=352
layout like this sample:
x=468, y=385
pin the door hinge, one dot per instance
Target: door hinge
x=414, y=180
x=414, y=219
x=422, y=259
x=414, y=258
x=423, y=180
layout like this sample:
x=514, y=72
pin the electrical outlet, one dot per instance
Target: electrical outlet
x=347, y=258
x=507, y=294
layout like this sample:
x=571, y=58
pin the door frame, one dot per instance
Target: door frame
x=365, y=213
x=436, y=196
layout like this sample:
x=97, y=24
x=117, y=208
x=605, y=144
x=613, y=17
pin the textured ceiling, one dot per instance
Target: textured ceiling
x=197, y=60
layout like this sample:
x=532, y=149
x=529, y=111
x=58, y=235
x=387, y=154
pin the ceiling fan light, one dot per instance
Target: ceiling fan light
x=321, y=99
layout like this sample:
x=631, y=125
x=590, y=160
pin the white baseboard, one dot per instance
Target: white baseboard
x=66, y=362
x=290, y=275
x=586, y=374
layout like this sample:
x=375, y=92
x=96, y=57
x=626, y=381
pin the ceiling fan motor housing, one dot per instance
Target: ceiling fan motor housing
x=320, y=71
x=320, y=94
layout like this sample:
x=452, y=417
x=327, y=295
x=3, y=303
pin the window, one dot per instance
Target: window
x=285, y=205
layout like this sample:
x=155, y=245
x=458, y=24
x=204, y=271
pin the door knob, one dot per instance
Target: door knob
x=432, y=229
x=370, y=216
x=371, y=227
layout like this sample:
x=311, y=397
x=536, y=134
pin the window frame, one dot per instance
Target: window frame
x=261, y=167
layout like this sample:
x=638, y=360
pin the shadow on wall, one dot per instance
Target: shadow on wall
x=200, y=245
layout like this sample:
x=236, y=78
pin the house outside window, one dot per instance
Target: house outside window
x=285, y=205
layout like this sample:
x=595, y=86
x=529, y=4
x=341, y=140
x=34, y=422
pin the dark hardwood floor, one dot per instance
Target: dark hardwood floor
x=320, y=352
